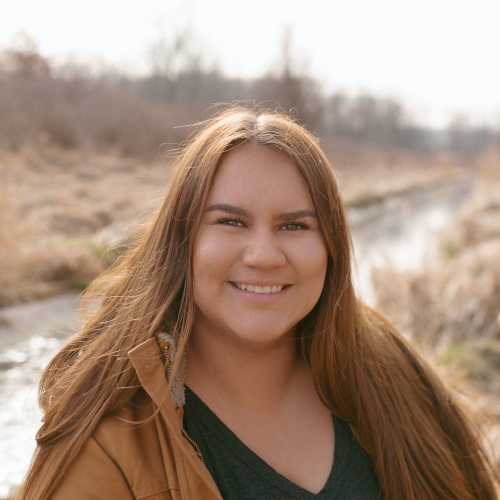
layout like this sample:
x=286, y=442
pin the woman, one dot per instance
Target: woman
x=228, y=356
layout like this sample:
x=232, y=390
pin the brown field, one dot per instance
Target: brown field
x=451, y=309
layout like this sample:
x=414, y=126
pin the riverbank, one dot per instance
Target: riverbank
x=450, y=308
x=63, y=214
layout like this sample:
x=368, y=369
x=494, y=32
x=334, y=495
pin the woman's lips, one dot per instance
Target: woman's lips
x=260, y=297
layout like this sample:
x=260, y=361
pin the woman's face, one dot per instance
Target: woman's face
x=259, y=259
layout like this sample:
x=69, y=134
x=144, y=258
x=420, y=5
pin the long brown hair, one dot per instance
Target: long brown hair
x=421, y=442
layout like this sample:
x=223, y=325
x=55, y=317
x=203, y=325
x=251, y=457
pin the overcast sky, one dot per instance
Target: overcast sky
x=439, y=56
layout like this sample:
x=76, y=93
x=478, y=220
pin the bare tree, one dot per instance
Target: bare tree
x=24, y=60
x=289, y=86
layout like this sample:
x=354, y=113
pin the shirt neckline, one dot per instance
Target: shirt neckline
x=212, y=424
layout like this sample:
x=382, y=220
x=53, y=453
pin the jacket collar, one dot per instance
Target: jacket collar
x=152, y=360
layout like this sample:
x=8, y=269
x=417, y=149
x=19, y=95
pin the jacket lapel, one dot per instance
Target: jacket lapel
x=146, y=358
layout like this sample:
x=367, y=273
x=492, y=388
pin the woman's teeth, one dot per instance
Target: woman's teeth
x=259, y=289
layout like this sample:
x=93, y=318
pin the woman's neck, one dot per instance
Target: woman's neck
x=252, y=378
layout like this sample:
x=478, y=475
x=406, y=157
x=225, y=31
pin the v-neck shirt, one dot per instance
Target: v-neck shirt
x=241, y=474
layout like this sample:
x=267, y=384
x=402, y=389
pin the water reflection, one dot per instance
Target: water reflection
x=401, y=232
x=19, y=412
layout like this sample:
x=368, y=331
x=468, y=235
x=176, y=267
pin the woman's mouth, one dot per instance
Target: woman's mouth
x=274, y=289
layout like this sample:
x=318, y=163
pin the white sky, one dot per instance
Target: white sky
x=438, y=56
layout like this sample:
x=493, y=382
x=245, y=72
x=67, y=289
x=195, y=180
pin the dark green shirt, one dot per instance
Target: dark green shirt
x=240, y=474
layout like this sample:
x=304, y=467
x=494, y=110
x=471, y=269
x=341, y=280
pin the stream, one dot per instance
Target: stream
x=399, y=231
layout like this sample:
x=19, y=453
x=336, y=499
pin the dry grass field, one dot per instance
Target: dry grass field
x=54, y=206
x=451, y=308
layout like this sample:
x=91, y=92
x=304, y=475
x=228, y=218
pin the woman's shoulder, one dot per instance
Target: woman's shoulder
x=121, y=459
x=128, y=428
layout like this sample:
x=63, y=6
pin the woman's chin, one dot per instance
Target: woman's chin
x=261, y=339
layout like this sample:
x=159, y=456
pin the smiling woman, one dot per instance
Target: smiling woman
x=257, y=276
x=230, y=358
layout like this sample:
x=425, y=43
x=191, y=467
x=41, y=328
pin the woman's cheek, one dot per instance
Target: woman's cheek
x=310, y=254
x=214, y=250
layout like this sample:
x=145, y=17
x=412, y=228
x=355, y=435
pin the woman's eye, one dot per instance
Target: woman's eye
x=290, y=226
x=231, y=222
x=294, y=226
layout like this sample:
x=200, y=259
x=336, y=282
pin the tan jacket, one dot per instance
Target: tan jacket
x=151, y=461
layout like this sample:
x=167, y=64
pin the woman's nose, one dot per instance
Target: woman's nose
x=263, y=251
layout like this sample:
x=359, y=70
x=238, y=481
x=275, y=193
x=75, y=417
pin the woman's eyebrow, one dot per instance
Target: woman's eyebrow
x=295, y=214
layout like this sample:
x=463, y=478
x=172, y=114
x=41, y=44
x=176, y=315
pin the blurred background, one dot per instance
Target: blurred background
x=403, y=96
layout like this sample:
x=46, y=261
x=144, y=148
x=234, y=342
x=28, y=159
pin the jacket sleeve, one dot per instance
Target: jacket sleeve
x=93, y=476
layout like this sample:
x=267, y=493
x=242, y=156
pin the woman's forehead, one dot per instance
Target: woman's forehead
x=257, y=170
